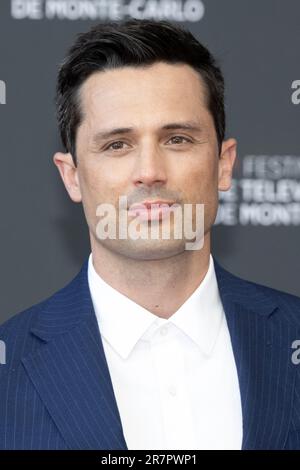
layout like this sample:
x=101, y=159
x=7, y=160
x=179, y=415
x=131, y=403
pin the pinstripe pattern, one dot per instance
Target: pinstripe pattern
x=56, y=391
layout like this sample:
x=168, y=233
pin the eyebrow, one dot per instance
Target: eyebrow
x=187, y=125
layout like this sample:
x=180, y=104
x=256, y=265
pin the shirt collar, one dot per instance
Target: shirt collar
x=122, y=322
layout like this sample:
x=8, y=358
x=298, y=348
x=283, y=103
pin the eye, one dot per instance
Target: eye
x=109, y=147
x=180, y=137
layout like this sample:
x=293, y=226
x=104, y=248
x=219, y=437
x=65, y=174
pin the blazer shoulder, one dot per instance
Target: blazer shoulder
x=16, y=331
x=258, y=297
x=279, y=294
x=288, y=304
x=22, y=320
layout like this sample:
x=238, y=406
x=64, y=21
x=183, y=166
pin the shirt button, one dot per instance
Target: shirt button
x=172, y=390
x=164, y=330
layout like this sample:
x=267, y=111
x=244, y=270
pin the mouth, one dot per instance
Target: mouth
x=151, y=210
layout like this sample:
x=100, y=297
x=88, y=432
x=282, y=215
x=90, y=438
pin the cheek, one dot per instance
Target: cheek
x=90, y=182
x=198, y=180
x=101, y=184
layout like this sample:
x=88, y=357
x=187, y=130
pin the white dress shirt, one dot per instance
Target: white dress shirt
x=175, y=380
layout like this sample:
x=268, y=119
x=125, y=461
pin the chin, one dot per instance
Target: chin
x=148, y=249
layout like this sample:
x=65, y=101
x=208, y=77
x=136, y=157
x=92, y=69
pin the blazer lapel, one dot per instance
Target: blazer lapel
x=70, y=372
x=261, y=344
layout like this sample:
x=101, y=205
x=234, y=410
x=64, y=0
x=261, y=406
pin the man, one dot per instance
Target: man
x=152, y=345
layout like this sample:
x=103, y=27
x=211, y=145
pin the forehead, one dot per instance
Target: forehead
x=141, y=93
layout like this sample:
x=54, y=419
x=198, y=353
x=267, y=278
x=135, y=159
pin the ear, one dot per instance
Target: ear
x=226, y=163
x=69, y=174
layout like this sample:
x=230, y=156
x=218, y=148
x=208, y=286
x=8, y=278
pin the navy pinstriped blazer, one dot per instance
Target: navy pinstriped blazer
x=56, y=391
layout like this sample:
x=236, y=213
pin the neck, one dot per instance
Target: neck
x=160, y=286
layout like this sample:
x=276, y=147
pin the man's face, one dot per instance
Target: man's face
x=150, y=161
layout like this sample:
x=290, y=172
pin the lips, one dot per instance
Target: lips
x=149, y=204
x=151, y=210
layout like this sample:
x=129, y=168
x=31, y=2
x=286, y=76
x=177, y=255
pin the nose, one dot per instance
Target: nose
x=150, y=167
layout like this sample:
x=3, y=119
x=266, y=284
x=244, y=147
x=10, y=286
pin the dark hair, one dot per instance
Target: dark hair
x=132, y=43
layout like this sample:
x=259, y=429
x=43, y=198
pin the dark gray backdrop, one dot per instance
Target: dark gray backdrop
x=44, y=238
